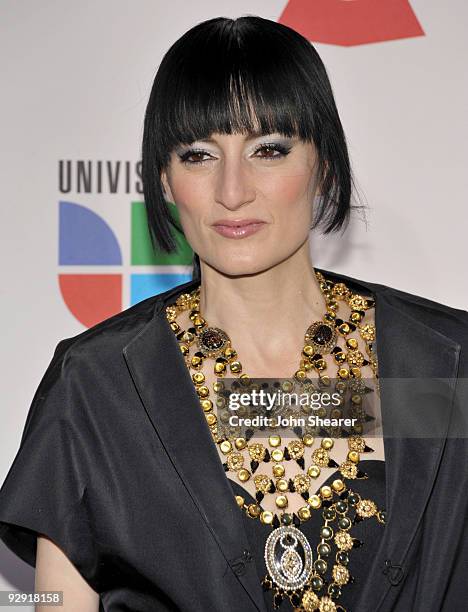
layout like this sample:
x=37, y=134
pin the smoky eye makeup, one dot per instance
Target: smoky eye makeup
x=185, y=154
x=271, y=151
x=269, y=148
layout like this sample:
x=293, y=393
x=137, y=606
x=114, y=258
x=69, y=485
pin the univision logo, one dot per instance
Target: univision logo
x=86, y=239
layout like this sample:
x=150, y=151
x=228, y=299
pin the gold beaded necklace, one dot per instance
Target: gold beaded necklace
x=292, y=570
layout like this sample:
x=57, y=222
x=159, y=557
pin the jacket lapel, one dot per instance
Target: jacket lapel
x=168, y=394
x=417, y=372
x=406, y=348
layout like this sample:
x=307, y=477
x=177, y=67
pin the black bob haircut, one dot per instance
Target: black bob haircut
x=247, y=75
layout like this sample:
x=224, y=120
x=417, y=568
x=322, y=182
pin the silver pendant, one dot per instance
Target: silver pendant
x=288, y=557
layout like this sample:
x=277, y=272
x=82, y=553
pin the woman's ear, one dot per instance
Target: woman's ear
x=165, y=185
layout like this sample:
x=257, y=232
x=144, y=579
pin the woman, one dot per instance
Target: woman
x=141, y=494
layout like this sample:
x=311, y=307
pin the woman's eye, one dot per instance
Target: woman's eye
x=198, y=155
x=273, y=151
x=268, y=151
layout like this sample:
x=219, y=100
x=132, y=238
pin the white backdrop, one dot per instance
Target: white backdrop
x=76, y=77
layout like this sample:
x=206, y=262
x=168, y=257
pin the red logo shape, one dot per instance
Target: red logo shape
x=91, y=298
x=351, y=22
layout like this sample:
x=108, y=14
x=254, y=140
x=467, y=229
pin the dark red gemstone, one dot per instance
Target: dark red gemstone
x=212, y=339
x=322, y=335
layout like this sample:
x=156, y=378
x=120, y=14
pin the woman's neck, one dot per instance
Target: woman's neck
x=265, y=314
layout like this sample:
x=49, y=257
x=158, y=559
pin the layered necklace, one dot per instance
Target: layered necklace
x=311, y=578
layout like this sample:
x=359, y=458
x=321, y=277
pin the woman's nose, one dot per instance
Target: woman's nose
x=234, y=184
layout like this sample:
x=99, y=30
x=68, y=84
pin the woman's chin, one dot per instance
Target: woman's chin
x=245, y=267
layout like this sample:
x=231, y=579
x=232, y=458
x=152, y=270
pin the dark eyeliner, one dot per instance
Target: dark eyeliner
x=283, y=149
x=276, y=146
x=184, y=157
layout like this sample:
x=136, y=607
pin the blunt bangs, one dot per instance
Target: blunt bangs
x=247, y=75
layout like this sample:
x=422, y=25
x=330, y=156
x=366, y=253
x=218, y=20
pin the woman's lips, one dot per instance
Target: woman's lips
x=242, y=231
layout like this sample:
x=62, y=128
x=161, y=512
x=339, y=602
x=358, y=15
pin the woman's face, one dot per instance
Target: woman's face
x=237, y=177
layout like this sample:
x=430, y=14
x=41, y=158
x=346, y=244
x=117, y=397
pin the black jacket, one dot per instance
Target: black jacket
x=117, y=465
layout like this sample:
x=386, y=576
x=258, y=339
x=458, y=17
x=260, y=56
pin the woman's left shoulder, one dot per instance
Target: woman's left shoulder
x=413, y=306
x=412, y=303
x=439, y=316
x=420, y=301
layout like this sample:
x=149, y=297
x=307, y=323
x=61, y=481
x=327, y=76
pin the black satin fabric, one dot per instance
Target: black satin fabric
x=92, y=475
x=369, y=532
x=115, y=452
